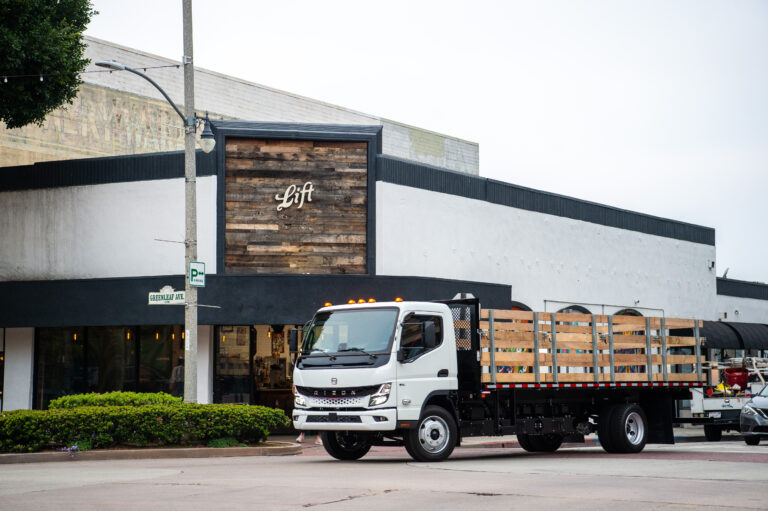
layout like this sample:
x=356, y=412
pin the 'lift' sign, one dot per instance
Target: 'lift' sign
x=295, y=195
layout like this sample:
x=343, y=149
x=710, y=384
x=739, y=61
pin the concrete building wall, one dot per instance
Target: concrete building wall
x=742, y=310
x=19, y=365
x=102, y=231
x=120, y=113
x=550, y=261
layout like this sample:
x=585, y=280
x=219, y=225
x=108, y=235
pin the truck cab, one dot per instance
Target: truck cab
x=368, y=372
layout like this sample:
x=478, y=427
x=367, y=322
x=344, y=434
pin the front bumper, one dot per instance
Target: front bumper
x=751, y=425
x=376, y=419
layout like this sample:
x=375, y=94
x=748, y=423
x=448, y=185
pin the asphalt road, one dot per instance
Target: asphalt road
x=724, y=475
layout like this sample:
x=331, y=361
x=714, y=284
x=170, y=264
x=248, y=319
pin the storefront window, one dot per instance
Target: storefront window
x=60, y=367
x=105, y=359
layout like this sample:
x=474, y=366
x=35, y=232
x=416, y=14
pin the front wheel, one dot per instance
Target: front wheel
x=752, y=440
x=435, y=436
x=713, y=433
x=346, y=445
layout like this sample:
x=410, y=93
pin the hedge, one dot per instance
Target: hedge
x=114, y=399
x=149, y=425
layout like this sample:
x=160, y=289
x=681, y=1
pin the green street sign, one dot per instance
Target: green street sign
x=196, y=274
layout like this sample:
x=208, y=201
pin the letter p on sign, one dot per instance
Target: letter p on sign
x=196, y=274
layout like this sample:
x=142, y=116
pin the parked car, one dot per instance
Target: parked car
x=754, y=418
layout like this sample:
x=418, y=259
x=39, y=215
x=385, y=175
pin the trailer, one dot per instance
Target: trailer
x=425, y=375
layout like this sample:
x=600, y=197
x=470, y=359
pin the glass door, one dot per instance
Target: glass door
x=232, y=366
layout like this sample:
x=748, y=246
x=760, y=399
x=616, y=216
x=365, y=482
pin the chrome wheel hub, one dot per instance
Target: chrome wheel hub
x=433, y=434
x=634, y=428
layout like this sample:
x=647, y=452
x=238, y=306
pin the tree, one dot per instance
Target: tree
x=40, y=38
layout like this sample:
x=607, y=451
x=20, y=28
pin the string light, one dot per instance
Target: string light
x=42, y=76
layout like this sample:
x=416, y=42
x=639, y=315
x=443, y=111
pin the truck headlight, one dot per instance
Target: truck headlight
x=298, y=400
x=381, y=395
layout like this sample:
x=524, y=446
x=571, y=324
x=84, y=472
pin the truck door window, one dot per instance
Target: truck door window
x=411, y=338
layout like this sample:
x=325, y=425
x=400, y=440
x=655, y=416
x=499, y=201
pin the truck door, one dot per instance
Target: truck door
x=422, y=370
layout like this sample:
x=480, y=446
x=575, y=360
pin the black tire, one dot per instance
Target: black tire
x=547, y=443
x=604, y=433
x=713, y=433
x=525, y=442
x=434, y=437
x=629, y=428
x=752, y=440
x=346, y=445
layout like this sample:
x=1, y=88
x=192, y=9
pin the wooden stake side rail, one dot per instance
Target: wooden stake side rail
x=565, y=349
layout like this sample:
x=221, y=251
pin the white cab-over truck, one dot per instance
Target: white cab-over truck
x=427, y=374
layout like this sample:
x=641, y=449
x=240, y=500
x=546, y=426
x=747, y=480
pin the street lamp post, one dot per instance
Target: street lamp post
x=207, y=142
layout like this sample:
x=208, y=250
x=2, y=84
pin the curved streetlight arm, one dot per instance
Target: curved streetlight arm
x=116, y=66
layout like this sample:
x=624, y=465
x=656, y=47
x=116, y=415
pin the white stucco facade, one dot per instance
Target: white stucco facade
x=550, y=261
x=102, y=231
x=744, y=310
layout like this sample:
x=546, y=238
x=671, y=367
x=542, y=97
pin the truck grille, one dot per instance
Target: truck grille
x=335, y=402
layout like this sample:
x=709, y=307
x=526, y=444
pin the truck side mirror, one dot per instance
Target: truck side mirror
x=293, y=340
x=428, y=334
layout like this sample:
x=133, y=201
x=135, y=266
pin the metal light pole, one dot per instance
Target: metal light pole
x=190, y=194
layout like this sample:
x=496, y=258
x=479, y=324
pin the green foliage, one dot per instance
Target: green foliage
x=40, y=37
x=114, y=399
x=225, y=442
x=148, y=425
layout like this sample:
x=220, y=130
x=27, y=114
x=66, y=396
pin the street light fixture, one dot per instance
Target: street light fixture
x=207, y=142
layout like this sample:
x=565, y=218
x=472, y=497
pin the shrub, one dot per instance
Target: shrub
x=114, y=399
x=149, y=425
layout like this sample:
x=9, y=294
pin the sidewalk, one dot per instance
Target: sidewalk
x=269, y=448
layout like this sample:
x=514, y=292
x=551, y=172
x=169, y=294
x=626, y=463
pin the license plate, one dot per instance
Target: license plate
x=715, y=415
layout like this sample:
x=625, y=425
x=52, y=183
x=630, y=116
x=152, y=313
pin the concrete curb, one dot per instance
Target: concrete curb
x=271, y=449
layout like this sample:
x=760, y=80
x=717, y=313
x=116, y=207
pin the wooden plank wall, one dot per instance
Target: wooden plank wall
x=514, y=355
x=324, y=236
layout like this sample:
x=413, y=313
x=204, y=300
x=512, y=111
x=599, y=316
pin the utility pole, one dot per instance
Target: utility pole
x=190, y=202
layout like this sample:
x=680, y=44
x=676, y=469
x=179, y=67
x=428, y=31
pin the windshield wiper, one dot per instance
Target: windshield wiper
x=361, y=350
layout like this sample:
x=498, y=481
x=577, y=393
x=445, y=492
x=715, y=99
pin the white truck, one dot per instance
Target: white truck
x=718, y=406
x=425, y=375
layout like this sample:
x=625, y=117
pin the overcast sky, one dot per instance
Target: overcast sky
x=659, y=107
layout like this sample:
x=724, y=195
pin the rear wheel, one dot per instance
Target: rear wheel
x=525, y=442
x=629, y=428
x=752, y=440
x=713, y=433
x=435, y=436
x=604, y=433
x=346, y=445
x=540, y=443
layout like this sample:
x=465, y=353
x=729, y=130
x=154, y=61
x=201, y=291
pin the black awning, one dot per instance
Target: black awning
x=720, y=336
x=753, y=335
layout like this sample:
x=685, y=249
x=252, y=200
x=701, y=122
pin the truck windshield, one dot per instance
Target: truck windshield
x=366, y=331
